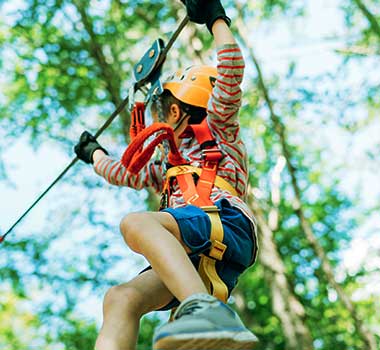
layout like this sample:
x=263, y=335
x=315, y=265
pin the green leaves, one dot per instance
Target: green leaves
x=65, y=65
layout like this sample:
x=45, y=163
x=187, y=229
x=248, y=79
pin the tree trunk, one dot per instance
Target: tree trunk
x=285, y=304
x=110, y=77
x=327, y=268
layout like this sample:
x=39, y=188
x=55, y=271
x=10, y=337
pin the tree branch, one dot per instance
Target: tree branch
x=370, y=17
x=358, y=51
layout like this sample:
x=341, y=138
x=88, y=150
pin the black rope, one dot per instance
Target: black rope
x=106, y=124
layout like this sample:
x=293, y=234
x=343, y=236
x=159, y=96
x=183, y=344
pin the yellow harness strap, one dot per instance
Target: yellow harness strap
x=207, y=265
x=189, y=169
x=199, y=194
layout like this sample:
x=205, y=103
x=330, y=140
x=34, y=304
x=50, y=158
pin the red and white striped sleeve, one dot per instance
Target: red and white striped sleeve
x=115, y=173
x=225, y=100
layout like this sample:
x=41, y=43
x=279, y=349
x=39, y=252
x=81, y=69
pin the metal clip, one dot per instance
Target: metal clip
x=131, y=97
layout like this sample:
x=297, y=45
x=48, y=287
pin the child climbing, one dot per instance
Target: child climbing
x=203, y=237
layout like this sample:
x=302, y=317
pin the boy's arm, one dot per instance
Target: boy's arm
x=224, y=104
x=115, y=173
x=90, y=151
x=225, y=100
x=222, y=33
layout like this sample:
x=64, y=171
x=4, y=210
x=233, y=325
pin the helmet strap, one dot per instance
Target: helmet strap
x=181, y=120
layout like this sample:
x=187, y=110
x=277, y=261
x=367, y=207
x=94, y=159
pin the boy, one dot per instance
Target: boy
x=176, y=240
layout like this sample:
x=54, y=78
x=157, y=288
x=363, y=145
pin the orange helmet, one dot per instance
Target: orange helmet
x=193, y=85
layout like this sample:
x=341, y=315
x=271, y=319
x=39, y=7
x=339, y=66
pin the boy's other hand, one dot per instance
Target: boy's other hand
x=215, y=10
x=196, y=10
x=86, y=146
x=206, y=12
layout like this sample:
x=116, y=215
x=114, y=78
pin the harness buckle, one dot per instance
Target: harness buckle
x=210, y=208
x=217, y=250
x=212, y=154
x=210, y=165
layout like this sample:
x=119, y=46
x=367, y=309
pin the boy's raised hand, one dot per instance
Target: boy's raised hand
x=195, y=10
x=206, y=12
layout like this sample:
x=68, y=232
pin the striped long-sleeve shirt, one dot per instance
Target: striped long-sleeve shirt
x=222, y=116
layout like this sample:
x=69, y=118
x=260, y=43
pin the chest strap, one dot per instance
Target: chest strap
x=189, y=169
x=199, y=194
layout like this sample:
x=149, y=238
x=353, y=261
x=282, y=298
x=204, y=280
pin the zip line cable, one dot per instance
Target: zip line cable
x=106, y=124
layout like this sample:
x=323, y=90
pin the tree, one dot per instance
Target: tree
x=68, y=65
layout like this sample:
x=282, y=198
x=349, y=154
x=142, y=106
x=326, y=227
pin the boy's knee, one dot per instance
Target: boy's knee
x=135, y=227
x=131, y=227
x=124, y=299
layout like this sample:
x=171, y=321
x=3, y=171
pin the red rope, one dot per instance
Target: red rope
x=136, y=156
x=137, y=119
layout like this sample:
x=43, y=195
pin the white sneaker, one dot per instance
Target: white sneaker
x=203, y=322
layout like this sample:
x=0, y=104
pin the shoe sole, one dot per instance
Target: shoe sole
x=208, y=341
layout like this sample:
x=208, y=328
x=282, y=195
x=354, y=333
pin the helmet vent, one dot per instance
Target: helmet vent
x=193, y=78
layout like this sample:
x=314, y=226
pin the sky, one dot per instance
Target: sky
x=304, y=40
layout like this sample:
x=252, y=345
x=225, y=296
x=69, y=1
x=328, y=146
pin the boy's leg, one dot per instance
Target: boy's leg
x=157, y=237
x=201, y=320
x=123, y=307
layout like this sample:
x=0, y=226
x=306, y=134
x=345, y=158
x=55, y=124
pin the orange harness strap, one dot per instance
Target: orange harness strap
x=136, y=156
x=184, y=169
x=199, y=195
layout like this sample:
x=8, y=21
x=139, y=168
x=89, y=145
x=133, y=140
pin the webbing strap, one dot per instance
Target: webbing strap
x=199, y=195
x=189, y=191
x=189, y=169
x=207, y=265
x=207, y=179
x=211, y=279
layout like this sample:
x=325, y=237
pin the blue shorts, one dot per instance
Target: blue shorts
x=195, y=226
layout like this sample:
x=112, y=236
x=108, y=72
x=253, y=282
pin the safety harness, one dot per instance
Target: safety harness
x=195, y=183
